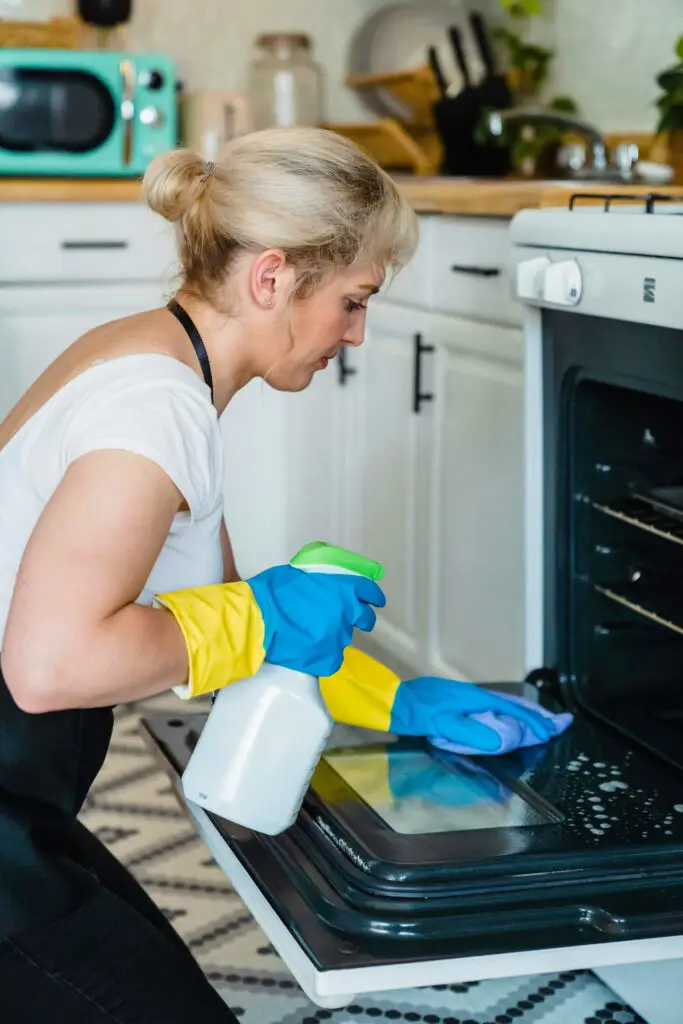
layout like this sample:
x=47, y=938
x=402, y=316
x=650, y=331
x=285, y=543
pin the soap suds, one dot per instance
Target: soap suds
x=611, y=787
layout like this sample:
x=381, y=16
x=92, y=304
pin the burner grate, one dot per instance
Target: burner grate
x=650, y=200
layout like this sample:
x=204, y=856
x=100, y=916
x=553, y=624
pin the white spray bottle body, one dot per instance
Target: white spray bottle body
x=261, y=744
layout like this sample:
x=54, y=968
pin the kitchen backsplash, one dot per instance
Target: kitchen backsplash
x=608, y=51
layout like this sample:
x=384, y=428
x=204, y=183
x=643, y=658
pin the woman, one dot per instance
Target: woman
x=112, y=493
x=117, y=579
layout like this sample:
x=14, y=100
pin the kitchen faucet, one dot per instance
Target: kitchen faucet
x=542, y=116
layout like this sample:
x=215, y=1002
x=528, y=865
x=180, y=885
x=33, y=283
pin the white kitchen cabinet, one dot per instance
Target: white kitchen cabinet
x=38, y=322
x=475, y=600
x=387, y=474
x=67, y=267
x=317, y=441
x=438, y=491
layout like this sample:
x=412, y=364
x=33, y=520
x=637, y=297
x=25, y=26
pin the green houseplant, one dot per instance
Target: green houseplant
x=670, y=102
x=668, y=146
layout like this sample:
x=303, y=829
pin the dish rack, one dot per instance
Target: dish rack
x=411, y=145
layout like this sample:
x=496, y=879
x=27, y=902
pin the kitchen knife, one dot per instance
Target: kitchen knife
x=435, y=65
x=459, y=53
x=495, y=91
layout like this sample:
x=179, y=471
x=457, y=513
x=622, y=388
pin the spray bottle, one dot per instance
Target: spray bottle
x=265, y=735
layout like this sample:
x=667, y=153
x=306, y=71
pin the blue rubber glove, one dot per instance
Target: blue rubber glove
x=309, y=617
x=433, y=707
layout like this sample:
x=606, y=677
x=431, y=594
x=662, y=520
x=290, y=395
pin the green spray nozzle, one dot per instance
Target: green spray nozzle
x=320, y=553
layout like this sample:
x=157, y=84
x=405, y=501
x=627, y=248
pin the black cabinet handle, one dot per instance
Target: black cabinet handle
x=457, y=268
x=343, y=370
x=419, y=396
x=88, y=244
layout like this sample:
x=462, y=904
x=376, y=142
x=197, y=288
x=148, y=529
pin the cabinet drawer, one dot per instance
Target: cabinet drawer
x=83, y=242
x=411, y=285
x=470, y=269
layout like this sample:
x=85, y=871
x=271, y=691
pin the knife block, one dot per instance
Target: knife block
x=457, y=120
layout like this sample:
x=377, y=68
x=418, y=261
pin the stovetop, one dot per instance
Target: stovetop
x=629, y=225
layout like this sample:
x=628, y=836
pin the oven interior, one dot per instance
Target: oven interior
x=619, y=538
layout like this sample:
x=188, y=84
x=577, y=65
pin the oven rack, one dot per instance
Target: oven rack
x=644, y=516
x=659, y=608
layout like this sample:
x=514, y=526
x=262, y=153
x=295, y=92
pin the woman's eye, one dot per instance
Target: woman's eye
x=353, y=307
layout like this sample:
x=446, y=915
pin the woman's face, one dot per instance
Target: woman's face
x=315, y=328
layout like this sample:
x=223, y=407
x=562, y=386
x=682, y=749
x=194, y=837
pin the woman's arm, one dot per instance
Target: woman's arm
x=74, y=636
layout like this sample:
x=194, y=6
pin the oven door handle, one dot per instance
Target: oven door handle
x=419, y=396
x=127, y=72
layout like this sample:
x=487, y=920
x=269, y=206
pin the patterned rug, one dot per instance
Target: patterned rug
x=132, y=809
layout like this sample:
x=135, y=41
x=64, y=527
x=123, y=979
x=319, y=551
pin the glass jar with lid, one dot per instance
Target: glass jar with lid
x=285, y=81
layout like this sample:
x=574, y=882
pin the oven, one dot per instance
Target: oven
x=80, y=113
x=409, y=866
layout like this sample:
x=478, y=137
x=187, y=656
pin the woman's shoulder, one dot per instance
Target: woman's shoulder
x=150, y=404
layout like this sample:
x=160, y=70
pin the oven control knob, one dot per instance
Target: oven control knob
x=530, y=275
x=153, y=80
x=152, y=117
x=563, y=284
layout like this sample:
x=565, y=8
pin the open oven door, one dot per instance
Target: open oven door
x=410, y=867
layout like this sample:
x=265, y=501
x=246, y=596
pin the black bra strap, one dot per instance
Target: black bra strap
x=195, y=337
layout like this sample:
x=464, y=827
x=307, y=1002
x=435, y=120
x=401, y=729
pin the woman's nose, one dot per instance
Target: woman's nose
x=355, y=336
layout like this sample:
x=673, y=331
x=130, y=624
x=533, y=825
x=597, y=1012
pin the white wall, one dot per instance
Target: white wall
x=608, y=51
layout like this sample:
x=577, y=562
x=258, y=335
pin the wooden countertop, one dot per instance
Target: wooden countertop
x=478, y=197
x=69, y=190
x=468, y=196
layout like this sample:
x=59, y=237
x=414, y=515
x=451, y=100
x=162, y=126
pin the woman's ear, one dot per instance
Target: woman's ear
x=271, y=279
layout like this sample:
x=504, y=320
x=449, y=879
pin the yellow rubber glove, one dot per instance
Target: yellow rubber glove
x=223, y=631
x=362, y=692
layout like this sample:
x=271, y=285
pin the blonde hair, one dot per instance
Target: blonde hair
x=306, y=191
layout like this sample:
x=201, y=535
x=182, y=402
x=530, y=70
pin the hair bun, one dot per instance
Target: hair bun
x=174, y=182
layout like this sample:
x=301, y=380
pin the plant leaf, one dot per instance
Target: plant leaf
x=671, y=120
x=523, y=8
x=564, y=104
x=670, y=78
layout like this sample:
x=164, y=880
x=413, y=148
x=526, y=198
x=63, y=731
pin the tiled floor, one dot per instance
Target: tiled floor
x=133, y=810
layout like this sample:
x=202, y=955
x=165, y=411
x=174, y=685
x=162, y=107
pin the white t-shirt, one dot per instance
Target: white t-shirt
x=152, y=405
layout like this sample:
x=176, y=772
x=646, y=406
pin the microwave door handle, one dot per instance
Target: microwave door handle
x=127, y=108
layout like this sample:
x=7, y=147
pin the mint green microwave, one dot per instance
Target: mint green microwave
x=81, y=113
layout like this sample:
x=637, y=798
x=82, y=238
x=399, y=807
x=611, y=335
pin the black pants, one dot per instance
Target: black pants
x=115, y=958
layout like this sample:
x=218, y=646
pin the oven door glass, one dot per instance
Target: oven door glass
x=52, y=110
x=420, y=792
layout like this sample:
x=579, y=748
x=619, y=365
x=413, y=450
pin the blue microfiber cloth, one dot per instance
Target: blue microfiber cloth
x=513, y=733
